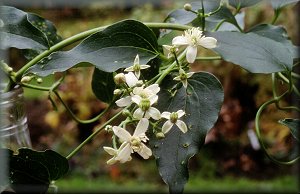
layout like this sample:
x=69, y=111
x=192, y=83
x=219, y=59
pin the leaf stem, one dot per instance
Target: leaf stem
x=75, y=117
x=78, y=148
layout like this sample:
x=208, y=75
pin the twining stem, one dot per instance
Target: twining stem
x=257, y=126
x=75, y=117
x=78, y=148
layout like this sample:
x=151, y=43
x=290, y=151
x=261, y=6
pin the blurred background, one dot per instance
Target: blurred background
x=228, y=162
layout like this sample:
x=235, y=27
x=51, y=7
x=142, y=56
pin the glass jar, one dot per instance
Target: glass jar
x=14, y=131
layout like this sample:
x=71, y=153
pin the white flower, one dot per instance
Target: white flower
x=173, y=119
x=141, y=91
x=193, y=38
x=183, y=76
x=133, y=143
x=114, y=152
x=145, y=110
x=136, y=67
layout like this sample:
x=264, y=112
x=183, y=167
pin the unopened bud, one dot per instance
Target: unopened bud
x=39, y=80
x=126, y=113
x=160, y=135
x=139, y=83
x=118, y=92
x=120, y=78
x=108, y=128
x=26, y=79
x=187, y=7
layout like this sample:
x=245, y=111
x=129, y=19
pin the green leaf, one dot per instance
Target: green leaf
x=103, y=85
x=276, y=33
x=108, y=50
x=294, y=125
x=243, y=3
x=202, y=102
x=255, y=53
x=16, y=31
x=277, y=4
x=34, y=170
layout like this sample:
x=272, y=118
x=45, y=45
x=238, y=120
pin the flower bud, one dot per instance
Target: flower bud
x=26, y=79
x=39, y=80
x=108, y=128
x=187, y=7
x=118, y=92
x=160, y=135
x=139, y=83
x=126, y=113
x=120, y=78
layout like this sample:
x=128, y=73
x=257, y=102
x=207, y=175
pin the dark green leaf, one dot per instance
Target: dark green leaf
x=108, y=50
x=253, y=52
x=16, y=31
x=277, y=4
x=294, y=125
x=276, y=33
x=32, y=171
x=243, y=3
x=103, y=85
x=202, y=102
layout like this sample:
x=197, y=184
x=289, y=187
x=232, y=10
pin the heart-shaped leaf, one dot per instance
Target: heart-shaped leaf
x=243, y=3
x=277, y=4
x=108, y=50
x=32, y=171
x=16, y=31
x=201, y=102
x=294, y=125
x=255, y=53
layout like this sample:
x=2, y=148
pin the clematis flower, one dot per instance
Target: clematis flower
x=136, y=67
x=183, y=76
x=114, y=152
x=133, y=143
x=145, y=110
x=173, y=119
x=171, y=50
x=193, y=38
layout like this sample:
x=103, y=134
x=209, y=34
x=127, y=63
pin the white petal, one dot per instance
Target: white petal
x=153, y=99
x=154, y=113
x=184, y=82
x=144, y=66
x=141, y=127
x=110, y=151
x=122, y=102
x=137, y=74
x=177, y=78
x=145, y=152
x=128, y=69
x=131, y=80
x=147, y=115
x=136, y=99
x=180, y=113
x=167, y=47
x=180, y=40
x=137, y=90
x=191, y=54
x=154, y=88
x=189, y=74
x=124, y=153
x=137, y=59
x=166, y=115
x=122, y=133
x=208, y=42
x=138, y=113
x=111, y=161
x=167, y=126
x=182, y=126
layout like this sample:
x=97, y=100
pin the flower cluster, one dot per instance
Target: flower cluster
x=134, y=91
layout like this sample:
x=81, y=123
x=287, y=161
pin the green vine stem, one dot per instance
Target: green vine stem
x=78, y=148
x=257, y=126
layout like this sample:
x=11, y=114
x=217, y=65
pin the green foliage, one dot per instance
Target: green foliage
x=277, y=4
x=293, y=125
x=253, y=52
x=108, y=50
x=34, y=170
x=238, y=4
x=202, y=102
